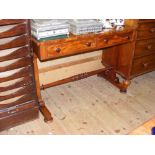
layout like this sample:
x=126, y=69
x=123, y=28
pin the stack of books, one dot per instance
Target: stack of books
x=83, y=26
x=48, y=29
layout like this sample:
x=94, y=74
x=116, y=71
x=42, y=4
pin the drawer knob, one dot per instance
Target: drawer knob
x=88, y=44
x=145, y=65
x=58, y=50
x=152, y=30
x=149, y=47
x=126, y=37
x=105, y=40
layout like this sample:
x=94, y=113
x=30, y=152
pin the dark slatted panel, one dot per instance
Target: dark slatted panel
x=15, y=31
x=23, y=99
x=24, y=90
x=21, y=83
x=19, y=41
x=20, y=63
x=11, y=21
x=18, y=99
x=19, y=53
x=18, y=118
x=22, y=73
x=15, y=109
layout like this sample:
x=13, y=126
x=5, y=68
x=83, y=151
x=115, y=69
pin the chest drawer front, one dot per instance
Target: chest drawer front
x=59, y=50
x=146, y=30
x=147, y=26
x=103, y=41
x=144, y=47
x=144, y=64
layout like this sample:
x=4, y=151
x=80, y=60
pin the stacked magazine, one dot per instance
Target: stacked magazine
x=82, y=26
x=48, y=29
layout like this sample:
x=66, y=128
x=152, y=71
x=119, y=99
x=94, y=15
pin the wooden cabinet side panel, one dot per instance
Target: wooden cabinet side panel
x=125, y=59
x=109, y=57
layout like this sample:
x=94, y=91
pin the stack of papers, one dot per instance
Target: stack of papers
x=82, y=26
x=44, y=29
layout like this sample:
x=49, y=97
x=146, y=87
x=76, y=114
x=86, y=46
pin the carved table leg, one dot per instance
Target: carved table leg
x=111, y=76
x=42, y=107
x=45, y=112
x=124, y=86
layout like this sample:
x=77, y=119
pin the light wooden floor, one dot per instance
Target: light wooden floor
x=145, y=128
x=94, y=106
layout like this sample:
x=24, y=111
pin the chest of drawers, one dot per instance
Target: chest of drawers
x=18, y=100
x=144, y=52
x=137, y=57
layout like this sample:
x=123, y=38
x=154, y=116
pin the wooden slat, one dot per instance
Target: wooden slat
x=18, y=64
x=17, y=42
x=26, y=90
x=22, y=52
x=11, y=21
x=24, y=82
x=22, y=73
x=73, y=78
x=15, y=31
x=16, y=109
x=23, y=99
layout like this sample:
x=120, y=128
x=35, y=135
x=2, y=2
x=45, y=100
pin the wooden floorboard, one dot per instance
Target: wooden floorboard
x=145, y=128
x=94, y=106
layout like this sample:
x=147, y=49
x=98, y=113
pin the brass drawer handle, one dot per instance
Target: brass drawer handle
x=58, y=50
x=88, y=44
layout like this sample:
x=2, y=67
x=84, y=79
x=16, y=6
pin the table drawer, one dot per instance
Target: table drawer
x=103, y=41
x=64, y=49
x=144, y=47
x=146, y=30
x=144, y=64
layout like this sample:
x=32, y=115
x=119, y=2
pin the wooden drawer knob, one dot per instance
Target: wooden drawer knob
x=105, y=40
x=145, y=65
x=152, y=30
x=126, y=37
x=149, y=47
x=88, y=44
x=58, y=50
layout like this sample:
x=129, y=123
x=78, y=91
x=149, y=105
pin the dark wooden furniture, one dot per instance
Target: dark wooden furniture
x=52, y=49
x=144, y=52
x=136, y=58
x=18, y=99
